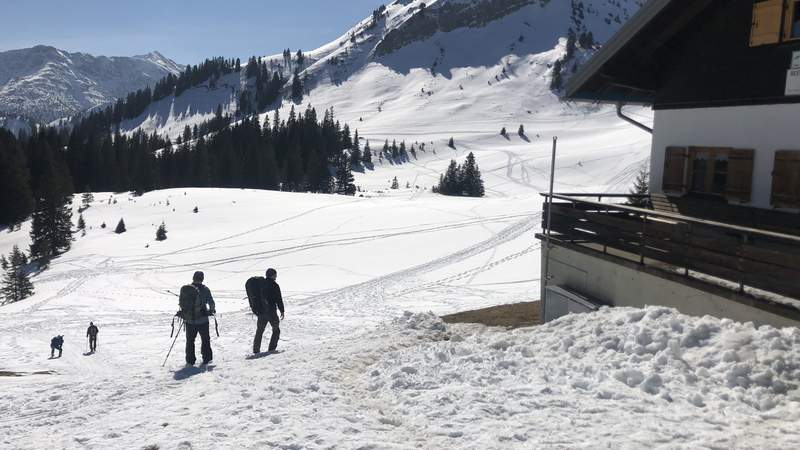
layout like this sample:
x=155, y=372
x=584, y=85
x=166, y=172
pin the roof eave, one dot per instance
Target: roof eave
x=630, y=29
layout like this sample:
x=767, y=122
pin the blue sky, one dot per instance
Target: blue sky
x=186, y=31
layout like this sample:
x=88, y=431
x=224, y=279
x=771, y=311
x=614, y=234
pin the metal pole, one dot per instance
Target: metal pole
x=547, y=234
x=173, y=344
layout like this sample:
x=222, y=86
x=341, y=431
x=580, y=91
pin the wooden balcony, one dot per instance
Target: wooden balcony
x=754, y=261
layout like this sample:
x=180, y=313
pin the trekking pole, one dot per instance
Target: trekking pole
x=216, y=325
x=173, y=342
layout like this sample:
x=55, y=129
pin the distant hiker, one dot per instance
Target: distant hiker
x=55, y=344
x=196, y=305
x=91, y=333
x=272, y=301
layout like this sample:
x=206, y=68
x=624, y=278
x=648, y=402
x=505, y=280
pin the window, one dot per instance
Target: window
x=709, y=170
x=792, y=30
x=717, y=171
x=786, y=179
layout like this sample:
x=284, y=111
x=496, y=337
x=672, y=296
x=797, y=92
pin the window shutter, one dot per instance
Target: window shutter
x=789, y=20
x=740, y=175
x=786, y=179
x=674, y=178
x=766, y=27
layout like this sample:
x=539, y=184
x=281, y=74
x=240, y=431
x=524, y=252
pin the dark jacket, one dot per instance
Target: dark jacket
x=272, y=294
x=92, y=331
x=57, y=342
x=206, y=307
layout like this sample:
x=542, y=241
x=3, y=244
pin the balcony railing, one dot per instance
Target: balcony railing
x=737, y=256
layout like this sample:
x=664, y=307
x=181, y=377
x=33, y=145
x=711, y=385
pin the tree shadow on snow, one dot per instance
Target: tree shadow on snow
x=190, y=371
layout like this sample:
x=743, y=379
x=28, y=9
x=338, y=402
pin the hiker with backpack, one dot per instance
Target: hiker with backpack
x=56, y=344
x=265, y=302
x=91, y=333
x=196, y=305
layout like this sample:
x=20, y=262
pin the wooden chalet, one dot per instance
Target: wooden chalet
x=722, y=233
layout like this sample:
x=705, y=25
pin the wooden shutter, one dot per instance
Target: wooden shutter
x=739, y=185
x=674, y=177
x=767, y=23
x=789, y=20
x=786, y=179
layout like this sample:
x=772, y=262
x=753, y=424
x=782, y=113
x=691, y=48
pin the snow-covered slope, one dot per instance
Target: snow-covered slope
x=457, y=61
x=466, y=80
x=45, y=84
x=355, y=370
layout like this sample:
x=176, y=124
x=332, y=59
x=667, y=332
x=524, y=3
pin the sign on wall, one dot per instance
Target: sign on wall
x=795, y=60
x=793, y=82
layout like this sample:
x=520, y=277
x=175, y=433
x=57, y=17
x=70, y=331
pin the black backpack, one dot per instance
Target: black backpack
x=254, y=287
x=190, y=304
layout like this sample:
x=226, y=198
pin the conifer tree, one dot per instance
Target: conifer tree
x=297, y=88
x=449, y=183
x=395, y=151
x=366, y=157
x=3, y=262
x=86, y=199
x=16, y=200
x=345, y=183
x=395, y=184
x=355, y=152
x=451, y=143
x=161, y=232
x=120, y=227
x=16, y=283
x=81, y=223
x=51, y=228
x=503, y=132
x=641, y=187
x=521, y=131
x=471, y=182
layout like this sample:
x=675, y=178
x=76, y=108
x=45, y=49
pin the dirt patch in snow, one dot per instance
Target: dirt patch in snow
x=512, y=316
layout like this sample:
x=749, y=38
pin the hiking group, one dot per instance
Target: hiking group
x=197, y=304
x=57, y=342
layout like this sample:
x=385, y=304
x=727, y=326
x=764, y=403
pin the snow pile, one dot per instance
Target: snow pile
x=682, y=379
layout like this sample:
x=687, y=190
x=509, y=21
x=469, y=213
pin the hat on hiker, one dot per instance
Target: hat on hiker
x=198, y=277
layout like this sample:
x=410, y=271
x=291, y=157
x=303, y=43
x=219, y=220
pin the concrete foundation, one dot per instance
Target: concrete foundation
x=622, y=285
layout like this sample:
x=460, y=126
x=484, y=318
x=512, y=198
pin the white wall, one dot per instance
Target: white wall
x=620, y=285
x=764, y=129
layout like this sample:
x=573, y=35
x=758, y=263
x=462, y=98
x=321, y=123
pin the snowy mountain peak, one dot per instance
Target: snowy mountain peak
x=45, y=83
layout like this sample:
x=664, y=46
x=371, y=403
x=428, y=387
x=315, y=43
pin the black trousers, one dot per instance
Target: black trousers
x=192, y=330
x=92, y=343
x=263, y=320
